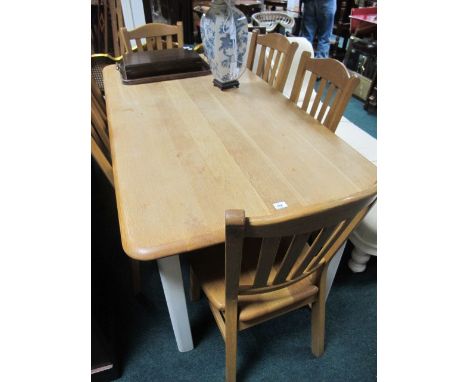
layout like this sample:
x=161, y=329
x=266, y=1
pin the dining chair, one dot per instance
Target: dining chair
x=158, y=36
x=334, y=86
x=275, y=57
x=100, y=151
x=274, y=265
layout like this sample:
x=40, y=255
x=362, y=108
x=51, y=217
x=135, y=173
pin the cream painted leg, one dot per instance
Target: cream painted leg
x=358, y=261
x=171, y=278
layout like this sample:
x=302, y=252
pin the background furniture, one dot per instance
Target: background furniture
x=268, y=65
x=335, y=87
x=106, y=19
x=157, y=37
x=169, y=12
x=341, y=28
x=286, y=272
x=273, y=5
x=183, y=153
x=361, y=54
x=274, y=21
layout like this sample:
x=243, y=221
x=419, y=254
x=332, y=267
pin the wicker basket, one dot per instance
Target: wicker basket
x=270, y=20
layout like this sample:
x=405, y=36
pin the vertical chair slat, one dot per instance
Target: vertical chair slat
x=318, y=96
x=333, y=108
x=261, y=62
x=139, y=45
x=159, y=45
x=310, y=88
x=180, y=34
x=295, y=248
x=299, y=79
x=169, y=42
x=283, y=70
x=330, y=91
x=343, y=101
x=277, y=59
x=149, y=43
x=267, y=74
x=252, y=49
x=266, y=260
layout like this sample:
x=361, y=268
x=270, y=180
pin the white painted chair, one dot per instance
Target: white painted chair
x=304, y=45
x=364, y=237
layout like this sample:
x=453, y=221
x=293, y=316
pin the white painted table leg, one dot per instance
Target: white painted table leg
x=333, y=267
x=358, y=261
x=171, y=278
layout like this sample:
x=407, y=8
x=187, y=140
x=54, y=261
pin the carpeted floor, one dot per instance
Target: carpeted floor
x=361, y=118
x=278, y=350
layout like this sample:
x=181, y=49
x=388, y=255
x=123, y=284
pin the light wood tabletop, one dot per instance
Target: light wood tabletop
x=183, y=152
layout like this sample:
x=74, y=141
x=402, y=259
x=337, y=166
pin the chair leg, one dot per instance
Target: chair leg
x=195, y=288
x=231, y=346
x=136, y=277
x=318, y=316
x=318, y=328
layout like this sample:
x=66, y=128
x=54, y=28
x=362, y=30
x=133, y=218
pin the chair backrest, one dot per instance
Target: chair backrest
x=273, y=64
x=158, y=36
x=335, y=87
x=325, y=227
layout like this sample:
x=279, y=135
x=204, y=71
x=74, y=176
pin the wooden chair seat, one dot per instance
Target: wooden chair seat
x=252, y=308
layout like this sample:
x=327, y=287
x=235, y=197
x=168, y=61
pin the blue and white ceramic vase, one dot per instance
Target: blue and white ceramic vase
x=224, y=34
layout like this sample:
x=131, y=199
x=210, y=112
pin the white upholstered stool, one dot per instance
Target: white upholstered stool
x=364, y=238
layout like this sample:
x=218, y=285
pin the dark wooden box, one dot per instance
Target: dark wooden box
x=158, y=65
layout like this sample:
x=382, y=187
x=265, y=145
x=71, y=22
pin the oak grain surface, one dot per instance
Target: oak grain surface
x=183, y=152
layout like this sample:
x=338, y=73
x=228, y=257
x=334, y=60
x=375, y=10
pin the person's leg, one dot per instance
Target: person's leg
x=325, y=20
x=309, y=20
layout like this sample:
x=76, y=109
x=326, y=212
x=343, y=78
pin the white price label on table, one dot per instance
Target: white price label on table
x=280, y=205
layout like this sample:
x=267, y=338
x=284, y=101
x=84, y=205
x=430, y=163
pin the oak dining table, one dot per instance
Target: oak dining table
x=183, y=152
